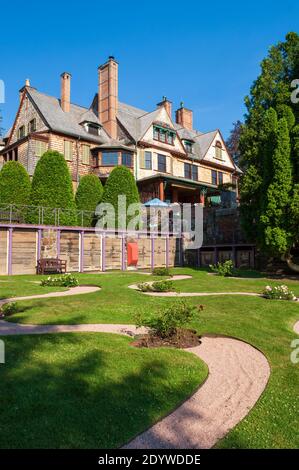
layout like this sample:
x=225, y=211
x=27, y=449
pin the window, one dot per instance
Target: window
x=68, y=150
x=188, y=146
x=32, y=126
x=218, y=150
x=162, y=163
x=85, y=154
x=195, y=173
x=191, y=171
x=110, y=158
x=214, y=177
x=40, y=148
x=126, y=159
x=148, y=160
x=187, y=170
x=164, y=135
x=21, y=132
x=93, y=129
x=217, y=177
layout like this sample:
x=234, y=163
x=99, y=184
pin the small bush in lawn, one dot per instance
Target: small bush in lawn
x=165, y=322
x=161, y=272
x=64, y=280
x=157, y=286
x=278, y=293
x=8, y=309
x=224, y=269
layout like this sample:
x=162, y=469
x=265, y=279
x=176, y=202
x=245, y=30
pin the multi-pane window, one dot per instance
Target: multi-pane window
x=85, y=154
x=40, y=147
x=110, y=158
x=218, y=150
x=21, y=132
x=126, y=159
x=32, y=126
x=93, y=129
x=217, y=177
x=68, y=150
x=148, y=160
x=188, y=146
x=164, y=135
x=161, y=163
x=214, y=177
x=191, y=171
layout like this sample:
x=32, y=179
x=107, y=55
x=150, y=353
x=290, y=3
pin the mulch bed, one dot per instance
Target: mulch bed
x=183, y=338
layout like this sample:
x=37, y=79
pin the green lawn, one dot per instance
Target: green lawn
x=266, y=324
x=88, y=390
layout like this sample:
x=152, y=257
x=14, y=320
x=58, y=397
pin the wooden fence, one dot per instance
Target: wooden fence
x=84, y=250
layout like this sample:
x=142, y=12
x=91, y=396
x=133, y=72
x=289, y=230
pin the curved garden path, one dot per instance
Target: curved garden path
x=296, y=327
x=238, y=374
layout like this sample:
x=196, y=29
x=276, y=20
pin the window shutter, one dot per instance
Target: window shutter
x=142, y=159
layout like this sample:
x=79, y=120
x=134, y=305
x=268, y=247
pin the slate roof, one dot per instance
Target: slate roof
x=67, y=123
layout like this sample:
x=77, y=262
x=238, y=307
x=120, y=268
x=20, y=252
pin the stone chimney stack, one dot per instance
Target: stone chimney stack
x=65, y=94
x=184, y=117
x=166, y=104
x=108, y=96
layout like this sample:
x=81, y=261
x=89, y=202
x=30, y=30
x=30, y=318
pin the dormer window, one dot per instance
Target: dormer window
x=218, y=150
x=93, y=129
x=164, y=135
x=188, y=146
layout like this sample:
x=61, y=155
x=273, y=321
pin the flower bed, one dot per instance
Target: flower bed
x=65, y=280
x=278, y=293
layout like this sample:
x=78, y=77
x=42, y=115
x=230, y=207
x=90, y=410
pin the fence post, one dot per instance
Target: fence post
x=167, y=250
x=39, y=239
x=153, y=252
x=9, y=257
x=57, y=243
x=123, y=253
x=103, y=253
x=81, y=259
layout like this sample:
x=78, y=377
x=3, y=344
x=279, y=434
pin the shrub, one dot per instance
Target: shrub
x=224, y=269
x=120, y=182
x=157, y=286
x=14, y=184
x=88, y=196
x=65, y=280
x=161, y=272
x=165, y=322
x=278, y=293
x=9, y=309
x=52, y=188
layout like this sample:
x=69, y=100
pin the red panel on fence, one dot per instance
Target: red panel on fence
x=132, y=250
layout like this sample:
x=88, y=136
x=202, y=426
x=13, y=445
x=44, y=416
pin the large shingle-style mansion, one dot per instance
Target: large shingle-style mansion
x=169, y=159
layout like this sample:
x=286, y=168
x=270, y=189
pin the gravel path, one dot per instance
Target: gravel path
x=238, y=374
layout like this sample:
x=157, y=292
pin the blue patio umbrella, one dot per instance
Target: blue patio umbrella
x=156, y=202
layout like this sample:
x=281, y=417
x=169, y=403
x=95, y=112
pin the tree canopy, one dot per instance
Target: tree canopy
x=88, y=196
x=269, y=152
x=52, y=188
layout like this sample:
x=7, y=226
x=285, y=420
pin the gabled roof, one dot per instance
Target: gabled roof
x=66, y=123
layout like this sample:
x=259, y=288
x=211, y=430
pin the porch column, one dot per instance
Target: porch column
x=161, y=190
x=202, y=198
x=175, y=195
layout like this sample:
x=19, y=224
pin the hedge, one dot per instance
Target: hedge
x=14, y=184
x=88, y=196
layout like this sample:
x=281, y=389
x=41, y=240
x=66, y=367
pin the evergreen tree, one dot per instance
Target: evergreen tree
x=120, y=182
x=88, y=196
x=52, y=189
x=14, y=184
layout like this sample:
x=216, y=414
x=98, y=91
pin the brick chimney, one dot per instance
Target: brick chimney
x=21, y=91
x=166, y=104
x=65, y=92
x=184, y=117
x=108, y=96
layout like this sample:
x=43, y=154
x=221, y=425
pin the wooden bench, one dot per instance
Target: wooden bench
x=51, y=266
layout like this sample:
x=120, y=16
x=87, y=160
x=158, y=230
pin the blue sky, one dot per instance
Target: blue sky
x=203, y=53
